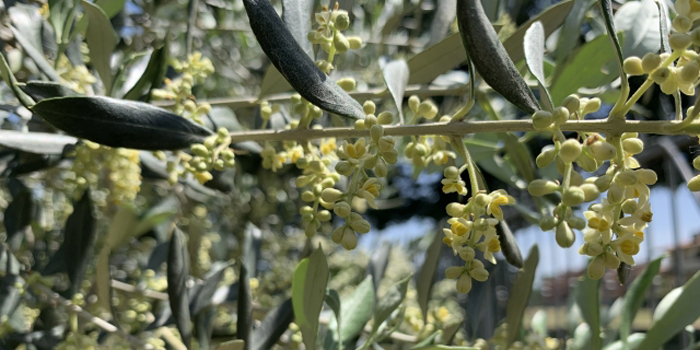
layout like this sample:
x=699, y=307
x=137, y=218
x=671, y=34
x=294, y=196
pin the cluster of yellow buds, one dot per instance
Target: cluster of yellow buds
x=472, y=227
x=425, y=149
x=609, y=235
x=76, y=77
x=115, y=171
x=572, y=108
x=195, y=69
x=329, y=35
x=213, y=154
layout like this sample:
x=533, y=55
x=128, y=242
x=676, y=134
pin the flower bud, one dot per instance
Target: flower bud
x=413, y=103
x=660, y=75
x=349, y=241
x=479, y=273
x=199, y=149
x=337, y=235
x=694, y=183
x=572, y=196
x=561, y=115
x=602, y=151
x=695, y=36
x=376, y=132
x=611, y=261
x=370, y=162
x=548, y=154
x=682, y=24
x=572, y=103
x=359, y=124
x=539, y=187
x=454, y=272
x=316, y=112
x=342, y=21
x=541, y=120
x=626, y=178
x=587, y=163
x=576, y=179
x=455, y=209
x=347, y=84
x=370, y=121
x=369, y=107
x=633, y=66
x=679, y=41
x=590, y=192
x=380, y=169
x=547, y=223
x=629, y=206
x=467, y=253
x=570, y=150
x=596, y=268
x=592, y=106
x=650, y=62
x=576, y=222
x=342, y=209
x=696, y=163
x=310, y=230
x=355, y=42
x=385, y=118
x=386, y=144
x=564, y=235
x=331, y=195
x=357, y=223
x=615, y=194
x=647, y=176
x=327, y=182
x=308, y=196
x=451, y=172
x=633, y=145
x=689, y=72
x=344, y=168
x=464, y=283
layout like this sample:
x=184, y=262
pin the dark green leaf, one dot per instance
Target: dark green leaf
x=18, y=214
x=509, y=247
x=299, y=70
x=101, y=40
x=11, y=81
x=378, y=263
x=533, y=47
x=356, y=311
x=35, y=142
x=635, y=296
x=520, y=294
x=623, y=273
x=204, y=324
x=80, y=236
x=153, y=76
x=36, y=55
x=244, y=323
x=119, y=123
x=396, y=78
x=252, y=241
x=273, y=326
x=39, y=90
x=178, y=272
x=426, y=276
x=681, y=309
x=308, y=291
x=203, y=297
x=490, y=57
x=587, y=298
x=111, y=7
x=389, y=302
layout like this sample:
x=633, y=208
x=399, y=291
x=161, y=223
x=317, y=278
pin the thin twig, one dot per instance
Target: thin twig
x=104, y=325
x=125, y=287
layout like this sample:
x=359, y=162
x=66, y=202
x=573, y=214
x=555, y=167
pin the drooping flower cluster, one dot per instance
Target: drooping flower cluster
x=425, y=149
x=329, y=35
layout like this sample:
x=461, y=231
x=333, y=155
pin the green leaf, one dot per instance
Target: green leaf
x=571, y=29
x=39, y=90
x=426, y=275
x=520, y=294
x=252, y=241
x=192, y=12
x=232, y=345
x=28, y=21
x=119, y=123
x=37, y=56
x=442, y=20
x=273, y=326
x=639, y=22
x=111, y=7
x=11, y=82
x=533, y=47
x=389, y=302
x=101, y=40
x=203, y=296
x=396, y=78
x=586, y=68
x=587, y=298
x=663, y=26
x=296, y=15
x=378, y=263
x=356, y=311
x=676, y=310
x=308, y=291
x=273, y=83
x=509, y=247
x=333, y=301
x=447, y=347
x=103, y=279
x=61, y=15
x=35, y=142
x=298, y=68
x=80, y=236
x=178, y=272
x=490, y=57
x=635, y=296
x=157, y=214
x=606, y=9
x=437, y=59
x=244, y=323
x=153, y=76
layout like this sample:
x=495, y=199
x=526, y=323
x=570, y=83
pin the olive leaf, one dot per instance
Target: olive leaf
x=291, y=60
x=273, y=326
x=389, y=302
x=426, y=276
x=396, y=78
x=378, y=263
x=520, y=294
x=533, y=46
x=490, y=57
x=119, y=123
x=11, y=81
x=332, y=299
x=178, y=272
x=296, y=15
x=588, y=299
x=356, y=311
x=18, y=214
x=154, y=74
x=101, y=40
x=244, y=323
x=38, y=57
x=40, y=90
x=634, y=298
x=308, y=290
x=80, y=236
x=606, y=8
x=35, y=142
x=509, y=247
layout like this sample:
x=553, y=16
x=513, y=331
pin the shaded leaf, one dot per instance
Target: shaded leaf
x=682, y=309
x=333, y=301
x=606, y=8
x=192, y=12
x=587, y=298
x=490, y=57
x=443, y=18
x=533, y=47
x=244, y=323
x=37, y=56
x=35, y=142
x=39, y=90
x=378, y=263
x=178, y=272
x=273, y=326
x=10, y=294
x=623, y=273
x=356, y=311
x=252, y=242
x=154, y=74
x=103, y=279
x=437, y=59
x=520, y=294
x=11, y=81
x=203, y=298
x=80, y=236
x=396, y=78
x=308, y=291
x=426, y=276
x=101, y=40
x=509, y=247
x=9, y=264
x=299, y=70
x=571, y=29
x=119, y=123
x=18, y=214
x=232, y=345
x=111, y=7
x=389, y=302
x=273, y=82
x=296, y=15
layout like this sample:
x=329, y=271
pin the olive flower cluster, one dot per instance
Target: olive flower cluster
x=329, y=35
x=194, y=70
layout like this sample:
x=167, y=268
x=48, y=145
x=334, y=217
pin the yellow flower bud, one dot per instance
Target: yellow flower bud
x=633, y=66
x=386, y=144
x=592, y=106
x=342, y=209
x=542, y=120
x=626, y=178
x=308, y=196
x=355, y=42
x=602, y=151
x=331, y=195
x=564, y=235
x=349, y=241
x=370, y=162
x=455, y=209
x=633, y=145
x=369, y=107
x=413, y=103
x=573, y=196
x=561, y=115
x=546, y=157
x=596, y=268
x=385, y=118
x=344, y=168
x=342, y=21
x=690, y=72
x=576, y=223
x=587, y=163
x=376, y=132
x=615, y=194
x=324, y=215
x=454, y=272
x=427, y=109
x=694, y=183
x=660, y=75
x=347, y=84
x=679, y=41
x=451, y=172
x=650, y=62
x=478, y=273
x=464, y=283
x=696, y=163
x=539, y=187
x=547, y=223
x=682, y=24
x=570, y=150
x=647, y=176
x=629, y=206
x=199, y=149
x=572, y=103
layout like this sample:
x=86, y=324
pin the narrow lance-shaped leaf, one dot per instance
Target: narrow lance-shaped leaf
x=244, y=325
x=273, y=326
x=192, y=11
x=588, y=300
x=356, y=311
x=396, y=78
x=38, y=57
x=533, y=46
x=333, y=301
x=101, y=40
x=308, y=291
x=153, y=76
x=296, y=15
x=606, y=8
x=119, y=123
x=378, y=263
x=299, y=70
x=39, y=90
x=426, y=276
x=663, y=26
x=490, y=57
x=635, y=297
x=509, y=247
x=389, y=302
x=80, y=236
x=520, y=294
x=178, y=271
x=11, y=81
x=35, y=142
